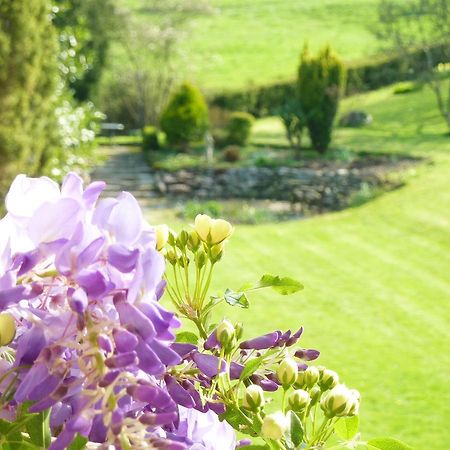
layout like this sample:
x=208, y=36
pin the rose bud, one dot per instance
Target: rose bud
x=253, y=398
x=311, y=376
x=162, y=236
x=328, y=380
x=225, y=332
x=338, y=401
x=287, y=372
x=274, y=426
x=7, y=328
x=299, y=400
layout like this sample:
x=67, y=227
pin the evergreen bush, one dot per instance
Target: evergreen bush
x=28, y=82
x=321, y=80
x=150, y=139
x=239, y=128
x=185, y=119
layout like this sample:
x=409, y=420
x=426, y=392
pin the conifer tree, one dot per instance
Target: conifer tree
x=28, y=84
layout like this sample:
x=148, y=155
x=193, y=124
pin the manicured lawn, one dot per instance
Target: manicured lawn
x=376, y=301
x=259, y=41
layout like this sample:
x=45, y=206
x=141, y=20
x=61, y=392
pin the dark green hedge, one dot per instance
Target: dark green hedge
x=361, y=77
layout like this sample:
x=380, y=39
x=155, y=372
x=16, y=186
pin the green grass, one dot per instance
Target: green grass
x=376, y=301
x=259, y=41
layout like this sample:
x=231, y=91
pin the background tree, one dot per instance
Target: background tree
x=28, y=86
x=421, y=25
x=85, y=29
x=135, y=95
x=185, y=118
x=321, y=81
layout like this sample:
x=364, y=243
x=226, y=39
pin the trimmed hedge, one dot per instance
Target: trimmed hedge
x=362, y=76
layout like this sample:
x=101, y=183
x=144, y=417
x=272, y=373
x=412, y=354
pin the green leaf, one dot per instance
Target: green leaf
x=38, y=428
x=234, y=418
x=78, y=443
x=387, y=444
x=251, y=367
x=256, y=447
x=5, y=430
x=296, y=429
x=187, y=337
x=283, y=285
x=236, y=298
x=347, y=427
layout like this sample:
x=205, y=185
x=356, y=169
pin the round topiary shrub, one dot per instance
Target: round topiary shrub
x=150, y=139
x=239, y=128
x=185, y=118
x=232, y=153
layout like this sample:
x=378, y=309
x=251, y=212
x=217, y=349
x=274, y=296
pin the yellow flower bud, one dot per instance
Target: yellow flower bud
x=311, y=376
x=299, y=400
x=216, y=253
x=315, y=394
x=194, y=241
x=253, y=398
x=7, y=328
x=162, y=235
x=212, y=231
x=328, y=380
x=339, y=401
x=225, y=332
x=220, y=230
x=202, y=226
x=287, y=372
x=274, y=426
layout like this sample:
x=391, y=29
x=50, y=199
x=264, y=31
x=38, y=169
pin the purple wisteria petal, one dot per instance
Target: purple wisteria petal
x=165, y=354
x=236, y=370
x=53, y=221
x=122, y=258
x=209, y=364
x=79, y=301
x=183, y=349
x=29, y=346
x=124, y=340
x=211, y=342
x=94, y=282
x=135, y=320
x=72, y=186
x=262, y=342
x=15, y=294
x=178, y=393
x=92, y=193
x=148, y=360
x=91, y=253
x=307, y=354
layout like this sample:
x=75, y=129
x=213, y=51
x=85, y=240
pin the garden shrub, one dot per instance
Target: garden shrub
x=363, y=75
x=293, y=119
x=150, y=139
x=232, y=153
x=407, y=87
x=320, y=83
x=185, y=119
x=220, y=136
x=239, y=128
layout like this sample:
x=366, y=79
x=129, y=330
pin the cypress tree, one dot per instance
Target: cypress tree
x=321, y=81
x=28, y=84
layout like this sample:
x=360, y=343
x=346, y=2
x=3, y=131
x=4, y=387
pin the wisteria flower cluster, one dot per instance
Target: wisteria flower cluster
x=89, y=357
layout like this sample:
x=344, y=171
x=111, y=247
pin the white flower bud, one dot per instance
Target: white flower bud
x=162, y=235
x=274, y=426
x=328, y=380
x=225, y=332
x=7, y=328
x=287, y=372
x=253, y=398
x=339, y=401
x=299, y=400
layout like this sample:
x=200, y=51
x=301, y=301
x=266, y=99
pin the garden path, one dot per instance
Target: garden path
x=125, y=169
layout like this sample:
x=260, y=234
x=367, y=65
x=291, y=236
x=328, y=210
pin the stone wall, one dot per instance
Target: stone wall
x=318, y=189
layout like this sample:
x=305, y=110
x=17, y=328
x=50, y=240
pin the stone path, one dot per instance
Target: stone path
x=125, y=169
